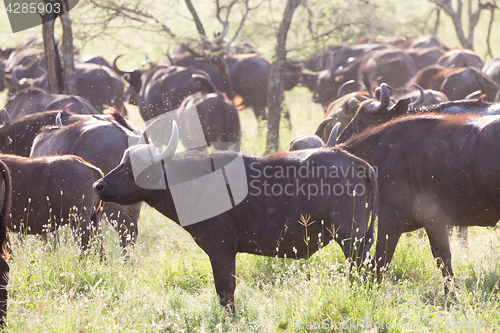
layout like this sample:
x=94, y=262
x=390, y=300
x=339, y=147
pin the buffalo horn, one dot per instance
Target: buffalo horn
x=15, y=82
x=144, y=136
x=172, y=145
x=420, y=98
x=58, y=120
x=115, y=68
x=474, y=94
x=332, y=139
x=322, y=125
x=172, y=62
x=385, y=98
x=340, y=92
x=6, y=125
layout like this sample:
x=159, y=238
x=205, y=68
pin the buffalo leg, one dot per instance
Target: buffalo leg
x=440, y=247
x=4, y=279
x=224, y=269
x=387, y=239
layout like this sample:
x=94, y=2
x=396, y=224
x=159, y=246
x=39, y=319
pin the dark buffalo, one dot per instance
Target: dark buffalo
x=270, y=225
x=433, y=171
x=492, y=69
x=391, y=65
x=456, y=83
x=33, y=100
x=218, y=117
x=249, y=76
x=92, y=59
x=425, y=42
x=49, y=192
x=100, y=142
x=423, y=56
x=163, y=87
x=343, y=109
x=460, y=58
x=17, y=137
x=306, y=141
x=5, y=201
x=425, y=97
x=98, y=84
x=373, y=113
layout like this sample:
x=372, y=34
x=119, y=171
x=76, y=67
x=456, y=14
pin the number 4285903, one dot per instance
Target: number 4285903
x=32, y=8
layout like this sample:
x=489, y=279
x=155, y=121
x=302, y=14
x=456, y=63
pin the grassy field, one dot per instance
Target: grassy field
x=166, y=285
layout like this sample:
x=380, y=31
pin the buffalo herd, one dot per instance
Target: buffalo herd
x=408, y=141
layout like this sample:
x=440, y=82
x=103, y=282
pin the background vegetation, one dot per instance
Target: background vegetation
x=167, y=284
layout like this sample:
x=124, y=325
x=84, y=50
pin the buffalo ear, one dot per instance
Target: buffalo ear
x=126, y=76
x=401, y=107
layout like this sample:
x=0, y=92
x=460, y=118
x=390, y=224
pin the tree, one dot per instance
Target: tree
x=275, y=88
x=59, y=82
x=474, y=9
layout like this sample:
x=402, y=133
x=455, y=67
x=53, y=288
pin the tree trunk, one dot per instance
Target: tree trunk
x=50, y=56
x=275, y=87
x=67, y=54
x=225, y=75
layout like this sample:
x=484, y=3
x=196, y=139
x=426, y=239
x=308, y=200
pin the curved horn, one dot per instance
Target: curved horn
x=322, y=125
x=58, y=120
x=420, y=98
x=332, y=139
x=15, y=82
x=340, y=92
x=172, y=62
x=115, y=68
x=169, y=151
x=144, y=136
x=6, y=125
x=385, y=98
x=474, y=95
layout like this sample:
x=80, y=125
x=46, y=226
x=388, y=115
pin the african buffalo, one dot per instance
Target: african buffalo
x=426, y=42
x=101, y=142
x=433, y=171
x=33, y=100
x=98, y=84
x=259, y=222
x=17, y=137
x=456, y=83
x=492, y=69
x=391, y=65
x=460, y=58
x=249, y=76
x=92, y=59
x=218, y=117
x=425, y=56
x=306, y=141
x=48, y=192
x=5, y=203
x=163, y=87
x=424, y=97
